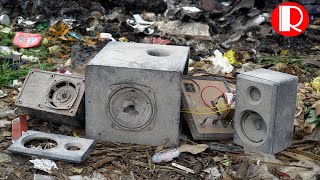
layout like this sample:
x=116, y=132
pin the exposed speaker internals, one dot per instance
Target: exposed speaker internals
x=131, y=107
x=62, y=94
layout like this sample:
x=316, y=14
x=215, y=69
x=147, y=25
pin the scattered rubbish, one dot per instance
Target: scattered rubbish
x=225, y=148
x=165, y=155
x=2, y=94
x=153, y=40
x=316, y=84
x=19, y=127
x=188, y=170
x=5, y=20
x=4, y=158
x=213, y=173
x=221, y=63
x=4, y=123
x=193, y=30
x=298, y=172
x=107, y=36
x=45, y=165
x=140, y=25
x=193, y=149
x=68, y=148
x=27, y=40
x=16, y=83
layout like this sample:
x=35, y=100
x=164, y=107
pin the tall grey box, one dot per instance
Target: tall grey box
x=265, y=108
x=133, y=93
x=54, y=97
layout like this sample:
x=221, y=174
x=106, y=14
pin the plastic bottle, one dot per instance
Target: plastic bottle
x=165, y=155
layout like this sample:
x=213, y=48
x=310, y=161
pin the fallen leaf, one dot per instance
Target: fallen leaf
x=77, y=170
x=194, y=149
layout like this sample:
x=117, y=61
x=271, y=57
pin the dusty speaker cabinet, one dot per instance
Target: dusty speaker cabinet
x=265, y=108
x=54, y=97
x=200, y=128
x=133, y=93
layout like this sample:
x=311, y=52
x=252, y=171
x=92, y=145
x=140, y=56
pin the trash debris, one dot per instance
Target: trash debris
x=2, y=94
x=165, y=155
x=220, y=63
x=225, y=148
x=192, y=30
x=27, y=40
x=140, y=25
x=188, y=170
x=45, y=165
x=194, y=149
x=19, y=127
x=316, y=84
x=4, y=158
x=213, y=173
x=5, y=19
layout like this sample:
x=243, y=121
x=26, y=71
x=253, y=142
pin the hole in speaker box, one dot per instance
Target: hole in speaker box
x=158, y=52
x=253, y=126
x=254, y=93
x=73, y=146
x=40, y=143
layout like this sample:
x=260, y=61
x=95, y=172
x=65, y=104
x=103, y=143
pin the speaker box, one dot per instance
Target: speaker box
x=53, y=96
x=265, y=108
x=133, y=93
x=198, y=93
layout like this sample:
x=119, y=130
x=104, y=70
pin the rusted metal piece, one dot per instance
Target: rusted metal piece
x=203, y=120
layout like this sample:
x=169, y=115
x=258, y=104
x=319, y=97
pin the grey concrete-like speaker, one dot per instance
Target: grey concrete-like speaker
x=53, y=96
x=133, y=93
x=265, y=108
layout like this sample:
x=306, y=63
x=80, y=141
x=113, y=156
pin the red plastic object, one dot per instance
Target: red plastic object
x=19, y=126
x=26, y=40
x=160, y=41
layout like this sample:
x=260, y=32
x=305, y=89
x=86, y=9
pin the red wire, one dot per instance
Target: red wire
x=201, y=94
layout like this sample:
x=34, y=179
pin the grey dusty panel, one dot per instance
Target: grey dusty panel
x=133, y=93
x=68, y=148
x=265, y=108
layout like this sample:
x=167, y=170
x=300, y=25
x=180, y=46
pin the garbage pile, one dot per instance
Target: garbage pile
x=51, y=70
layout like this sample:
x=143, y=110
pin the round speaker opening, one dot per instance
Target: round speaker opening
x=62, y=95
x=253, y=126
x=254, y=94
x=73, y=146
x=40, y=143
x=130, y=108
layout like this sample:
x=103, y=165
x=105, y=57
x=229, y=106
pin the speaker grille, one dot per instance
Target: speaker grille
x=253, y=126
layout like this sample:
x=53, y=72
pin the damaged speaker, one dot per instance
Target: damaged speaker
x=52, y=96
x=265, y=108
x=204, y=122
x=133, y=93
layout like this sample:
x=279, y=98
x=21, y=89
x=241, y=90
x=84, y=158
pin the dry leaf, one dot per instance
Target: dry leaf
x=194, y=149
x=77, y=170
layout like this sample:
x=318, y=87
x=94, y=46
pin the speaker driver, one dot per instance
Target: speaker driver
x=62, y=95
x=254, y=127
x=131, y=108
